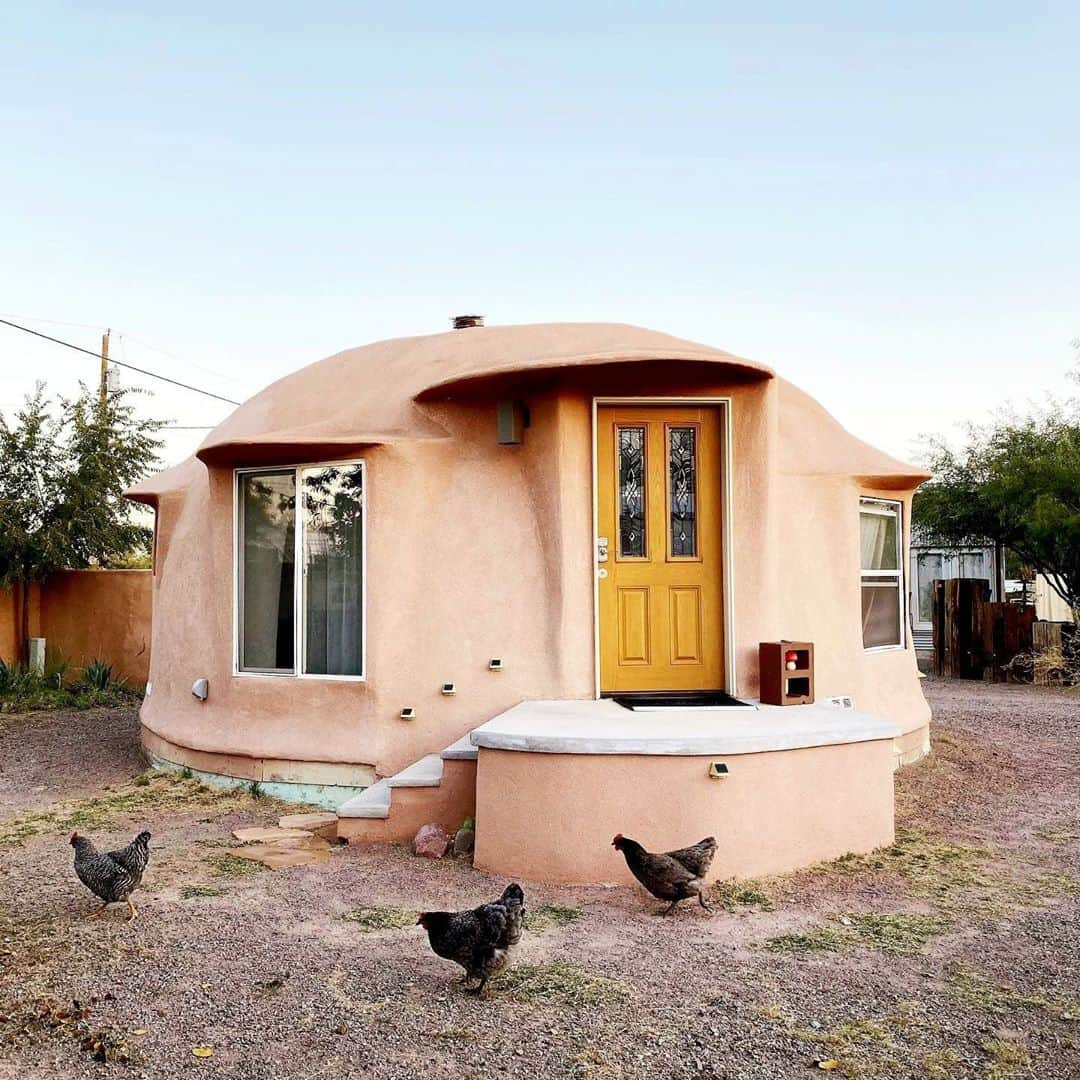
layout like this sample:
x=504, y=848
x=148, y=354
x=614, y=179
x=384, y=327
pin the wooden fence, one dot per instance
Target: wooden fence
x=973, y=637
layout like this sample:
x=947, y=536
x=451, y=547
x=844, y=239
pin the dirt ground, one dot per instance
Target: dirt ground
x=953, y=954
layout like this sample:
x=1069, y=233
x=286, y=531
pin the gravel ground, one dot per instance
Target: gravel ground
x=952, y=955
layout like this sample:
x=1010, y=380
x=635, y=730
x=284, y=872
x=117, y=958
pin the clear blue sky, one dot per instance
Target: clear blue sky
x=882, y=201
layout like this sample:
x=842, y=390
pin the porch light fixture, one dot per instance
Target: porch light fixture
x=495, y=664
x=200, y=688
x=718, y=770
x=448, y=689
x=513, y=418
x=408, y=713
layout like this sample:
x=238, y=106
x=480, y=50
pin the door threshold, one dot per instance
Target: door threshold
x=677, y=700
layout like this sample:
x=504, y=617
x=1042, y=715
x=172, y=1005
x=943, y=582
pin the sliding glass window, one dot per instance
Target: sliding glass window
x=300, y=573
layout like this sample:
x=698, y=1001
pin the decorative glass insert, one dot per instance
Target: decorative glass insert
x=333, y=569
x=267, y=560
x=682, y=454
x=631, y=442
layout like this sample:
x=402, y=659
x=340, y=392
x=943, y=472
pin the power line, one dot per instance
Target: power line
x=119, y=363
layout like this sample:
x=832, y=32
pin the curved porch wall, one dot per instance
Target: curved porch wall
x=475, y=551
x=556, y=814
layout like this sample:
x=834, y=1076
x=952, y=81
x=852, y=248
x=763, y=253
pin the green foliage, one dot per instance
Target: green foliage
x=62, y=485
x=98, y=675
x=1015, y=481
x=24, y=691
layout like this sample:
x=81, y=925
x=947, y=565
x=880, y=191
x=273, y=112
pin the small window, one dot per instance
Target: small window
x=300, y=571
x=880, y=536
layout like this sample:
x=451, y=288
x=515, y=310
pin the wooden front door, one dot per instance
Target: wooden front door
x=659, y=548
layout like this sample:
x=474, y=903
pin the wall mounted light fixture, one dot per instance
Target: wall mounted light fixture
x=513, y=418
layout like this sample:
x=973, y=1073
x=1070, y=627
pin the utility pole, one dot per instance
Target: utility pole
x=104, y=389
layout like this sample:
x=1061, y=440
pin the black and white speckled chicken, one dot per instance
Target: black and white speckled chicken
x=479, y=940
x=671, y=875
x=112, y=876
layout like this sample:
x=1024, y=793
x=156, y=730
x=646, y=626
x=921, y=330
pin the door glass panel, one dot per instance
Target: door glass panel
x=267, y=560
x=333, y=569
x=631, y=491
x=682, y=453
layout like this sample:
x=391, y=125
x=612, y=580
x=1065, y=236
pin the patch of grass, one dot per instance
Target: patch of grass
x=369, y=919
x=562, y=984
x=821, y=939
x=900, y=934
x=159, y=791
x=866, y=1047
x=732, y=895
x=942, y=1065
x=191, y=892
x=973, y=990
x=550, y=916
x=1007, y=1059
x=231, y=866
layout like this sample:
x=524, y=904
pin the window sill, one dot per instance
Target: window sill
x=884, y=648
x=294, y=675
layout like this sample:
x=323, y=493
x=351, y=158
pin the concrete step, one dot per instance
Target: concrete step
x=372, y=802
x=375, y=803
x=427, y=772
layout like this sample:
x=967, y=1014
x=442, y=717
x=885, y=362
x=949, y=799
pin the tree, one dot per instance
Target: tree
x=1015, y=481
x=62, y=484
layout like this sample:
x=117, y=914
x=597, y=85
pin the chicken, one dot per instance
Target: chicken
x=479, y=940
x=112, y=876
x=673, y=875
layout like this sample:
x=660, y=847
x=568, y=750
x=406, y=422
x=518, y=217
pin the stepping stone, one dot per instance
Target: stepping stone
x=271, y=835
x=324, y=825
x=289, y=852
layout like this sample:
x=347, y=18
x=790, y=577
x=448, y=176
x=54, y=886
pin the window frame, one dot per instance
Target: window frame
x=898, y=575
x=299, y=595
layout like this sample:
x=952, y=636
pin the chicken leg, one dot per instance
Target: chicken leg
x=99, y=912
x=133, y=909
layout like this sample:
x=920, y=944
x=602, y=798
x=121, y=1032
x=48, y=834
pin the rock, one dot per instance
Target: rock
x=431, y=842
x=464, y=842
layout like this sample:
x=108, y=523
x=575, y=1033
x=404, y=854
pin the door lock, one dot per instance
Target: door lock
x=601, y=548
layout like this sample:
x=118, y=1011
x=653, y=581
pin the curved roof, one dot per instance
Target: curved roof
x=369, y=396
x=824, y=447
x=366, y=396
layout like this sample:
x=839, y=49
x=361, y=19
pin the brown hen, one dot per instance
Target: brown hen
x=670, y=875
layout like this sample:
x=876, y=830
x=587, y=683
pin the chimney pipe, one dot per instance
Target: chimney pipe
x=462, y=322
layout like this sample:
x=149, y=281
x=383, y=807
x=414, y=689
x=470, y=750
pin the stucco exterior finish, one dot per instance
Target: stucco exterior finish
x=477, y=550
x=85, y=615
x=774, y=812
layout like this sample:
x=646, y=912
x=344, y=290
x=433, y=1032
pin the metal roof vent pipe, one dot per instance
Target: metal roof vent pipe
x=463, y=322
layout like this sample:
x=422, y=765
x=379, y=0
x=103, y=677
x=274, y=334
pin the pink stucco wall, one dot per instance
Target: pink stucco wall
x=477, y=550
x=774, y=812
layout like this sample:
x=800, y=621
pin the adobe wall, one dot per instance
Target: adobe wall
x=87, y=614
